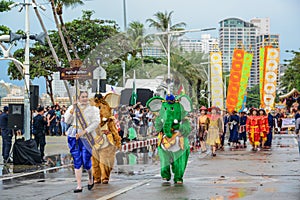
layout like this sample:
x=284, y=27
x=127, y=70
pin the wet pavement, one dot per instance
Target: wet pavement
x=238, y=174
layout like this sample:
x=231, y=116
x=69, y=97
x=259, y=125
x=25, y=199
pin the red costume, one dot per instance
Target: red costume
x=252, y=127
x=263, y=127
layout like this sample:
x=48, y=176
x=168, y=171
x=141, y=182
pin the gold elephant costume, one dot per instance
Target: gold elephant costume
x=107, y=139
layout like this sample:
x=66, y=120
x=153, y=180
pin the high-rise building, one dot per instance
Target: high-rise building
x=205, y=44
x=234, y=32
x=262, y=24
x=251, y=35
x=154, y=50
x=58, y=86
x=262, y=41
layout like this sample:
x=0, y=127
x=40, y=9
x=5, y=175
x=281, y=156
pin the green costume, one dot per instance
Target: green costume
x=173, y=129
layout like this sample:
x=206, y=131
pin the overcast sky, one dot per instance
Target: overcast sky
x=284, y=16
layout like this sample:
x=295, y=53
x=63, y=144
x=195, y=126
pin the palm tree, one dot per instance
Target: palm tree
x=63, y=41
x=59, y=11
x=49, y=79
x=136, y=33
x=162, y=22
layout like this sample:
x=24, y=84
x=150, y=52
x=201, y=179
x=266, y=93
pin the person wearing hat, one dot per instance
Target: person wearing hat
x=6, y=134
x=203, y=123
x=215, y=129
x=39, y=124
x=252, y=127
x=263, y=126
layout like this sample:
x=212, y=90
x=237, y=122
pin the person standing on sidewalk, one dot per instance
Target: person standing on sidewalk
x=215, y=129
x=38, y=129
x=203, y=123
x=84, y=119
x=6, y=134
x=51, y=118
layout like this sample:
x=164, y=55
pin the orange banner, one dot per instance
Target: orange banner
x=235, y=79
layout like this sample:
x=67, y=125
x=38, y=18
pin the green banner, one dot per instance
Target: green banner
x=261, y=72
x=244, y=79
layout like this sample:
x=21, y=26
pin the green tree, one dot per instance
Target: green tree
x=161, y=22
x=253, y=99
x=291, y=77
x=4, y=5
x=86, y=34
x=191, y=66
x=59, y=11
x=136, y=33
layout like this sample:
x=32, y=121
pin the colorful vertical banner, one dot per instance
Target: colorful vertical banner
x=235, y=79
x=216, y=79
x=248, y=57
x=261, y=73
x=270, y=77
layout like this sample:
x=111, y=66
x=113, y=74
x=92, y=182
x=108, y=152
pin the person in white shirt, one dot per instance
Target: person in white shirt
x=83, y=124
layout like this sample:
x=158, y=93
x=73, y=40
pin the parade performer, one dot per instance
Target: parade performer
x=233, y=123
x=107, y=139
x=242, y=128
x=252, y=127
x=173, y=129
x=203, y=123
x=225, y=126
x=84, y=119
x=273, y=125
x=215, y=129
x=263, y=126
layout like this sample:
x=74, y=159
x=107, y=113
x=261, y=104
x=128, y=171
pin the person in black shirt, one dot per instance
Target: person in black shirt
x=6, y=135
x=39, y=123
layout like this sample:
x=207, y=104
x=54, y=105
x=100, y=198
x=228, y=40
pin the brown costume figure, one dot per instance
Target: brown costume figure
x=108, y=139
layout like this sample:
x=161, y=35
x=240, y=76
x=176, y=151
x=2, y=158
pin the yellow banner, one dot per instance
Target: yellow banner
x=216, y=80
x=270, y=78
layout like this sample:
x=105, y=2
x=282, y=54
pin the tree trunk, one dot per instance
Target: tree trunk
x=52, y=51
x=49, y=89
x=67, y=36
x=60, y=32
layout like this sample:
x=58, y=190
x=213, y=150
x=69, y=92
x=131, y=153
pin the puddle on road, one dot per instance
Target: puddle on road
x=51, y=161
x=236, y=193
x=140, y=157
x=137, y=157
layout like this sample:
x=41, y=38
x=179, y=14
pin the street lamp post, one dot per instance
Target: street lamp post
x=26, y=75
x=124, y=10
x=26, y=66
x=123, y=67
x=225, y=88
x=169, y=33
x=208, y=81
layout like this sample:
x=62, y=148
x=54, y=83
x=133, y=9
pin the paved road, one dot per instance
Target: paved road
x=231, y=175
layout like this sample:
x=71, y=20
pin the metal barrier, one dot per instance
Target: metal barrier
x=138, y=144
